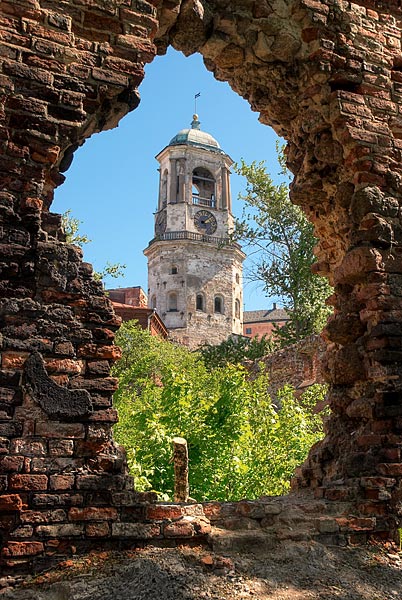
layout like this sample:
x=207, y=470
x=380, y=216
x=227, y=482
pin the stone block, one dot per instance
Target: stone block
x=61, y=447
x=25, y=531
x=327, y=525
x=60, y=530
x=138, y=531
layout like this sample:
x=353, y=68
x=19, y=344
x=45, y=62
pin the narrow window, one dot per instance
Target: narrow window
x=153, y=302
x=172, y=302
x=199, y=303
x=174, y=271
x=218, y=304
x=237, y=309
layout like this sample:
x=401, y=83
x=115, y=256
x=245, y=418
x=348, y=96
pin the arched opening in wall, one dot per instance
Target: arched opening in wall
x=200, y=302
x=124, y=214
x=218, y=305
x=204, y=184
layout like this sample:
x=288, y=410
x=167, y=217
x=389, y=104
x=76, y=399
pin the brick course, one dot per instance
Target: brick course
x=326, y=75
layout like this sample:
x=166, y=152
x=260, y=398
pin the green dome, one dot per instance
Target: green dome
x=195, y=137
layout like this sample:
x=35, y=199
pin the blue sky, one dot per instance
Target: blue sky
x=112, y=184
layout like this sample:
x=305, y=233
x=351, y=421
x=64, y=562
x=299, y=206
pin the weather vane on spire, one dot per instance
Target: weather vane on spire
x=195, y=101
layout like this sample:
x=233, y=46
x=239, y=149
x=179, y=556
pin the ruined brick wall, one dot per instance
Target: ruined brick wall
x=325, y=74
x=298, y=365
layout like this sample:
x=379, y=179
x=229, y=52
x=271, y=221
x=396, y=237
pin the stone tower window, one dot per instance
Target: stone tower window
x=218, y=304
x=203, y=186
x=199, y=302
x=237, y=278
x=237, y=309
x=172, y=302
x=174, y=270
x=153, y=301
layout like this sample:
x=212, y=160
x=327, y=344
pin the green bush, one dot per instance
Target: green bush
x=240, y=444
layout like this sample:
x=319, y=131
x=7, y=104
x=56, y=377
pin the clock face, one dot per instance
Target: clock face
x=205, y=222
x=160, y=223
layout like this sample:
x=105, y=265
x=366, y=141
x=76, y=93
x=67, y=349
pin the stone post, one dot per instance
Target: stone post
x=180, y=461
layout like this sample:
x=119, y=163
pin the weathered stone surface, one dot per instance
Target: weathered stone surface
x=57, y=401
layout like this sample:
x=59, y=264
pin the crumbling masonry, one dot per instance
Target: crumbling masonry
x=327, y=75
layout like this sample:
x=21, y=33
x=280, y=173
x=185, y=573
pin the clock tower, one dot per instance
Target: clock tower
x=194, y=273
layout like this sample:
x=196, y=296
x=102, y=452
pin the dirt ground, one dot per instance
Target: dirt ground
x=293, y=571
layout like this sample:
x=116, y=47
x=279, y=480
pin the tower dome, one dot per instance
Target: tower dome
x=195, y=137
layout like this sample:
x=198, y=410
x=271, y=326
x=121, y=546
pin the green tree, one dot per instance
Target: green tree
x=240, y=444
x=235, y=350
x=282, y=241
x=71, y=228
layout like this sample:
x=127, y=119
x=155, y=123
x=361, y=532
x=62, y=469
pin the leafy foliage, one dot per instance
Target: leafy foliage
x=240, y=444
x=235, y=350
x=282, y=241
x=71, y=228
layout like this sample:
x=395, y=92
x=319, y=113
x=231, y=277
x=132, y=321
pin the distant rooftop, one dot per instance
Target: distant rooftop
x=261, y=316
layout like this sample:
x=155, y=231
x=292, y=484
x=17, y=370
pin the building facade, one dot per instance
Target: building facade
x=131, y=303
x=257, y=323
x=194, y=273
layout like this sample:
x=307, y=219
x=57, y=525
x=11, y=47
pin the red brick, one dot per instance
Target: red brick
x=97, y=529
x=108, y=77
x=109, y=415
x=92, y=513
x=100, y=352
x=28, y=482
x=65, y=365
x=373, y=509
x=336, y=494
x=11, y=463
x=94, y=21
x=53, y=429
x=356, y=524
x=50, y=34
x=13, y=360
x=37, y=517
x=62, y=482
x=23, y=548
x=178, y=529
x=393, y=469
x=10, y=502
x=160, y=512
